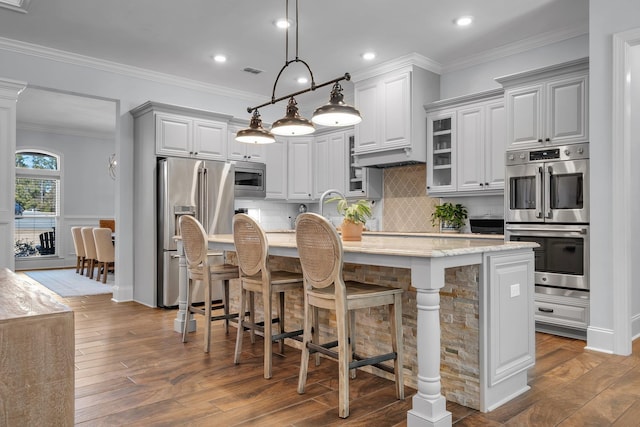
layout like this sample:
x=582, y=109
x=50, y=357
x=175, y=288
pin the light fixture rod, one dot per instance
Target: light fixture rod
x=313, y=87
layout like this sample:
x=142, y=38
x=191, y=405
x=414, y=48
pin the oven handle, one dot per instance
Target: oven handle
x=547, y=191
x=551, y=230
x=539, y=183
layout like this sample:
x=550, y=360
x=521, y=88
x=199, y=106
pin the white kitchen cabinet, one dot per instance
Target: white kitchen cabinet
x=330, y=159
x=300, y=168
x=392, y=130
x=276, y=175
x=441, y=149
x=361, y=182
x=548, y=106
x=466, y=144
x=180, y=135
x=242, y=151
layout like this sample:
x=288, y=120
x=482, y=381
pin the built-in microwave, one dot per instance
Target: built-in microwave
x=250, y=180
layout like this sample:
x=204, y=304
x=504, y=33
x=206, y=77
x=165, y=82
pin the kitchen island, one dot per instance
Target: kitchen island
x=505, y=341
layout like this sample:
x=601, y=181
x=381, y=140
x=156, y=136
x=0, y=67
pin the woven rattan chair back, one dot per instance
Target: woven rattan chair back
x=251, y=245
x=320, y=250
x=194, y=241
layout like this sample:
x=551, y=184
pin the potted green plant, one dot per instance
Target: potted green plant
x=450, y=217
x=355, y=214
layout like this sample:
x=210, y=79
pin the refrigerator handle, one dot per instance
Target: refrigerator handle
x=538, y=192
x=547, y=192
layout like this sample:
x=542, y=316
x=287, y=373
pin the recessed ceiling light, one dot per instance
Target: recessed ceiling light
x=302, y=80
x=463, y=21
x=220, y=58
x=283, y=23
x=368, y=56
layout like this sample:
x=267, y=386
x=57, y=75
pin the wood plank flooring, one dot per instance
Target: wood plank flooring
x=132, y=369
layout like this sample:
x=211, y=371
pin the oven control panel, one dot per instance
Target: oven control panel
x=551, y=154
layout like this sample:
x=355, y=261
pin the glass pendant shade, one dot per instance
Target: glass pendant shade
x=292, y=124
x=336, y=112
x=255, y=134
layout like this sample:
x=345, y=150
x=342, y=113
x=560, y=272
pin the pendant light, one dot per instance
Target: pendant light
x=336, y=112
x=255, y=134
x=292, y=123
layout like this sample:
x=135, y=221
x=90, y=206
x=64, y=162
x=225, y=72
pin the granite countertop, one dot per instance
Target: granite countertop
x=427, y=245
x=417, y=234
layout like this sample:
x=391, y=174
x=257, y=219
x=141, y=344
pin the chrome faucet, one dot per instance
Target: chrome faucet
x=325, y=194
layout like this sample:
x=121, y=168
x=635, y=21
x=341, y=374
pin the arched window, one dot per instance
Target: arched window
x=37, y=206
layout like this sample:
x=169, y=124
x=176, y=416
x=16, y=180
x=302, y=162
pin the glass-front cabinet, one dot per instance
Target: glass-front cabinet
x=441, y=152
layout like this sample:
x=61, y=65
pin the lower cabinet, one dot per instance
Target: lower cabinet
x=561, y=315
x=508, y=347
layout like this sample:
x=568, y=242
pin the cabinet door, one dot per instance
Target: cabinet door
x=367, y=99
x=276, y=176
x=470, y=149
x=255, y=153
x=300, y=186
x=396, y=111
x=495, y=145
x=567, y=114
x=173, y=135
x=321, y=165
x=524, y=117
x=441, y=149
x=235, y=150
x=210, y=139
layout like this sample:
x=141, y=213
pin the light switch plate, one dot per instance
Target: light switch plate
x=515, y=290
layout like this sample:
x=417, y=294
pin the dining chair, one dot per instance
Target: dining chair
x=105, y=252
x=90, y=249
x=321, y=257
x=194, y=241
x=78, y=245
x=256, y=276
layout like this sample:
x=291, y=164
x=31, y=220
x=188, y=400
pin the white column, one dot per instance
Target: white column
x=183, y=279
x=429, y=405
x=9, y=91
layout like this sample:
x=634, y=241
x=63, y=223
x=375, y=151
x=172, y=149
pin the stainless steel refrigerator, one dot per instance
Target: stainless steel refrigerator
x=204, y=189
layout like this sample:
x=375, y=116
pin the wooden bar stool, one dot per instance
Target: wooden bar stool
x=320, y=251
x=256, y=276
x=194, y=241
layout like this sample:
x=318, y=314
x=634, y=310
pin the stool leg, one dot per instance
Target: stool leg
x=280, y=310
x=306, y=337
x=225, y=302
x=352, y=339
x=395, y=315
x=185, y=326
x=252, y=316
x=241, y=316
x=268, y=315
x=207, y=312
x=315, y=338
x=343, y=360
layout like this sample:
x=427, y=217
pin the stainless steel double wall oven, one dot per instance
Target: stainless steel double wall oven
x=547, y=202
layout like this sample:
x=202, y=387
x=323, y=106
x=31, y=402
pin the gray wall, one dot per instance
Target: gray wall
x=635, y=177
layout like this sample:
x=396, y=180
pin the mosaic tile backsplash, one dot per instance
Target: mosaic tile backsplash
x=406, y=206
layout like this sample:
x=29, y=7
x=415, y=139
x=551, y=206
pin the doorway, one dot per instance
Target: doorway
x=80, y=131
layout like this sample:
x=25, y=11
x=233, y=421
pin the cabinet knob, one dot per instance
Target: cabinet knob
x=428, y=187
x=481, y=184
x=540, y=140
x=195, y=153
x=547, y=139
x=486, y=184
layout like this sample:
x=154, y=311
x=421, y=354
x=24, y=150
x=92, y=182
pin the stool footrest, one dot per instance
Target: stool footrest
x=373, y=361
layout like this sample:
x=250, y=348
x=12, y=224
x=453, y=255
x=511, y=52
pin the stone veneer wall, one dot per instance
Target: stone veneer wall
x=406, y=206
x=459, y=314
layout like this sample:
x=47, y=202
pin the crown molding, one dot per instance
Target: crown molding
x=117, y=68
x=396, y=64
x=21, y=6
x=60, y=130
x=534, y=42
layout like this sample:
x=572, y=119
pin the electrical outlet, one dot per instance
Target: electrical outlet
x=515, y=290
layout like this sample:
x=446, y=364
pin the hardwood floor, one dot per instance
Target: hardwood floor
x=133, y=369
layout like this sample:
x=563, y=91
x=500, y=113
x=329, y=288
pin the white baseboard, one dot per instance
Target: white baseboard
x=600, y=339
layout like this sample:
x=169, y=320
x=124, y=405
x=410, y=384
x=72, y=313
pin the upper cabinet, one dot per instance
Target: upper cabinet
x=185, y=132
x=276, y=174
x=300, y=168
x=548, y=106
x=242, y=151
x=466, y=144
x=392, y=130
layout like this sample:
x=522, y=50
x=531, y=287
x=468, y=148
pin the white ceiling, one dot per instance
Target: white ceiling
x=181, y=37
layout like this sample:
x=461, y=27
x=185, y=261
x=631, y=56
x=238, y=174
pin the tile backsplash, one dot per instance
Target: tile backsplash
x=405, y=205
